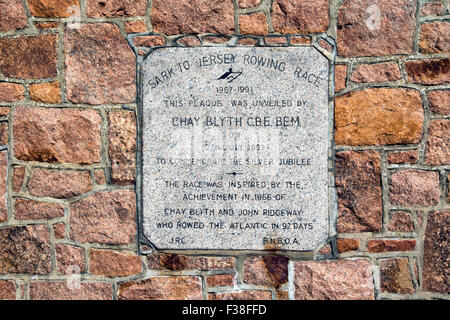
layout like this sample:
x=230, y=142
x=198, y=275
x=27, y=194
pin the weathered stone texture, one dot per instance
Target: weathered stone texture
x=29, y=57
x=69, y=259
x=414, y=188
x=111, y=263
x=378, y=116
x=395, y=276
x=3, y=133
x=388, y=245
x=193, y=16
x=436, y=253
x=401, y=157
x=7, y=290
x=59, y=184
x=149, y=41
x=11, y=92
x=347, y=244
x=135, y=26
x=429, y=71
x=13, y=15
x=34, y=210
x=439, y=101
x=248, y=3
x=18, y=177
x=25, y=250
x=435, y=37
x=59, y=290
x=343, y=279
x=189, y=41
x=438, y=143
x=159, y=261
x=432, y=8
x=401, y=221
x=122, y=146
x=3, y=179
x=340, y=77
x=358, y=185
x=362, y=32
x=57, y=135
x=115, y=8
x=59, y=229
x=162, y=288
x=242, y=295
x=376, y=72
x=100, y=66
x=255, y=23
x=53, y=8
x=106, y=217
x=292, y=16
x=45, y=92
x=266, y=270
x=220, y=280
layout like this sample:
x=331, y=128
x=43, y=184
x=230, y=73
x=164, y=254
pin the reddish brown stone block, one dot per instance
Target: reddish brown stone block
x=300, y=40
x=395, y=276
x=242, y=295
x=248, y=3
x=358, y=184
x=292, y=16
x=401, y=221
x=111, y=263
x=45, y=92
x=13, y=15
x=3, y=179
x=414, y=188
x=185, y=16
x=253, y=24
x=59, y=184
x=99, y=177
x=266, y=270
x=57, y=135
x=162, y=288
x=29, y=57
x=25, y=250
x=439, y=101
x=105, y=217
x=59, y=229
x=11, y=92
x=347, y=244
x=401, y=157
x=429, y=71
x=432, y=8
x=216, y=39
x=438, y=143
x=435, y=37
x=100, y=66
x=69, y=259
x=4, y=111
x=34, y=210
x=122, y=146
x=247, y=41
x=53, y=8
x=378, y=116
x=115, y=8
x=135, y=26
x=220, y=280
x=149, y=41
x=388, y=245
x=379, y=72
x=46, y=25
x=189, y=41
x=362, y=32
x=3, y=133
x=59, y=290
x=340, y=77
x=18, y=176
x=436, y=271
x=273, y=41
x=343, y=279
x=7, y=290
x=159, y=261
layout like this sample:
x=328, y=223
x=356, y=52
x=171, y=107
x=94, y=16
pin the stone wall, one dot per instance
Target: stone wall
x=67, y=149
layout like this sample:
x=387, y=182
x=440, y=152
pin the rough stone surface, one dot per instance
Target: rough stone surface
x=395, y=276
x=7, y=290
x=432, y=8
x=10, y=92
x=300, y=40
x=115, y=8
x=59, y=229
x=247, y=41
x=360, y=33
x=99, y=176
x=53, y=8
x=35, y=210
x=358, y=185
x=111, y=263
x=59, y=184
x=436, y=253
x=378, y=116
x=189, y=41
x=13, y=15
x=439, y=101
x=192, y=16
x=25, y=250
x=69, y=259
x=216, y=39
x=248, y=3
x=58, y=290
x=435, y=37
x=29, y=57
x=430, y=71
x=401, y=221
x=3, y=179
x=242, y=295
x=273, y=41
x=135, y=26
x=149, y=41
x=340, y=76
x=401, y=157
x=46, y=25
x=3, y=133
x=438, y=143
x=342, y=279
x=100, y=66
x=57, y=135
x=347, y=244
x=45, y=92
x=388, y=245
x=122, y=146
x=4, y=111
x=266, y=270
x=18, y=176
x=220, y=280
x=379, y=72
x=106, y=217
x=292, y=16
x=255, y=23
x=414, y=188
x=448, y=190
x=175, y=262
x=162, y=288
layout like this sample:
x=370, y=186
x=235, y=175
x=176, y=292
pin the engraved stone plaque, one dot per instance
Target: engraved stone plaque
x=235, y=148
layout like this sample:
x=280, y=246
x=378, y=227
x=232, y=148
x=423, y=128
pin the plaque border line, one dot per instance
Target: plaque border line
x=332, y=195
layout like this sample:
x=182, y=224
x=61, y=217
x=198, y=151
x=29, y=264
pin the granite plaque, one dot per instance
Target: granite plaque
x=235, y=148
